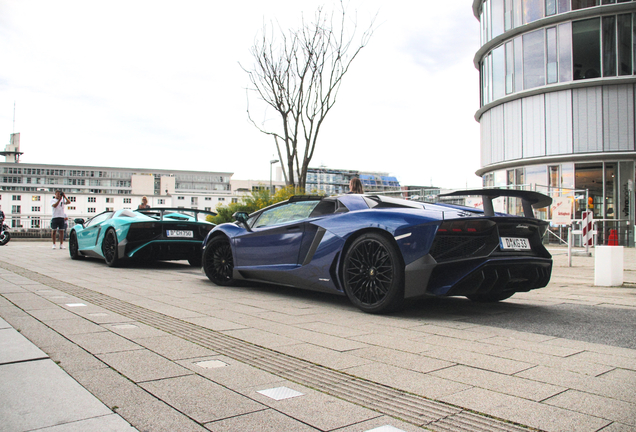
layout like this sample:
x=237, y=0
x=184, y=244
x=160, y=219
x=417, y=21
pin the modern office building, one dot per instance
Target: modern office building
x=557, y=102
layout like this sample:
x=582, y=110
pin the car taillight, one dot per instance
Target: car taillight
x=465, y=226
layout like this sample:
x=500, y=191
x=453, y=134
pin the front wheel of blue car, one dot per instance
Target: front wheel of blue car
x=218, y=262
x=373, y=274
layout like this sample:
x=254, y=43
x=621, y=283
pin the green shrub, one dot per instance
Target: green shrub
x=257, y=200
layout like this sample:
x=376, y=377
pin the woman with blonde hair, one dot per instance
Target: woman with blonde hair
x=144, y=203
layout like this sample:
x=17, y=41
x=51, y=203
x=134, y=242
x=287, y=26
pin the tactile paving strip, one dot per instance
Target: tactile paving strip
x=418, y=410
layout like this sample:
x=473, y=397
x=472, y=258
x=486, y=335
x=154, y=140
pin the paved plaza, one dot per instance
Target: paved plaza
x=160, y=348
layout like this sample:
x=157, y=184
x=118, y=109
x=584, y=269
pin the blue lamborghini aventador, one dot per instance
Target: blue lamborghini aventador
x=382, y=251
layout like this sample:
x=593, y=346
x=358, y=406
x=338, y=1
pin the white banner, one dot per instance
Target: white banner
x=561, y=209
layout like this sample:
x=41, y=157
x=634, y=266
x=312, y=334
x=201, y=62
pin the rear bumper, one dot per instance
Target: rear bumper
x=426, y=277
x=492, y=276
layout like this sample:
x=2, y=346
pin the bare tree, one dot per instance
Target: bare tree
x=300, y=79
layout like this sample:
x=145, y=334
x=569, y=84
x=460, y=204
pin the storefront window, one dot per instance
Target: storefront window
x=536, y=177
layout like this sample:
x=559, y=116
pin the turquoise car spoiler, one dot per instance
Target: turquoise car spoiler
x=529, y=199
x=161, y=211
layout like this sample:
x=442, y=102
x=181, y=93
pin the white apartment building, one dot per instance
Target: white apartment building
x=26, y=190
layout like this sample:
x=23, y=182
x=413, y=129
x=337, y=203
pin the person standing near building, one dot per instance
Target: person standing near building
x=57, y=221
x=355, y=186
x=144, y=203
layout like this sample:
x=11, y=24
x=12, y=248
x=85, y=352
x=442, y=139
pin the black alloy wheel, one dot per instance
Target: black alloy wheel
x=218, y=262
x=73, y=246
x=373, y=274
x=109, y=248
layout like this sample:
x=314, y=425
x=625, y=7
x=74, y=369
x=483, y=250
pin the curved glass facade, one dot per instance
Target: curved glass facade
x=602, y=46
x=558, y=104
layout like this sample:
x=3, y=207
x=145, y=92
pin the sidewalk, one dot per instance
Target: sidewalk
x=163, y=349
x=36, y=394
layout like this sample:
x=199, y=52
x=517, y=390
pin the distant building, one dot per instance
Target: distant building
x=26, y=190
x=336, y=181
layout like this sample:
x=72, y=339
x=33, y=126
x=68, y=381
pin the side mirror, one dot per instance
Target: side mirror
x=79, y=221
x=241, y=218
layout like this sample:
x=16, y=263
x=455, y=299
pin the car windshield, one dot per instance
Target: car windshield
x=289, y=212
x=99, y=218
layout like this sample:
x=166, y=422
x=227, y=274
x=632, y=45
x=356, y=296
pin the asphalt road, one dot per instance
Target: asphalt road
x=595, y=324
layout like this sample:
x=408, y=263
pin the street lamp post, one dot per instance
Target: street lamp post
x=272, y=162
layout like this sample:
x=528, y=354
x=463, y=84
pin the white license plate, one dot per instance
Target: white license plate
x=180, y=233
x=514, y=243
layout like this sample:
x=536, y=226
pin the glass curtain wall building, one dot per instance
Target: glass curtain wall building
x=557, y=103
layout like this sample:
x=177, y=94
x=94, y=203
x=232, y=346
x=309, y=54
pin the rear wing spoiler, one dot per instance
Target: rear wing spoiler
x=529, y=199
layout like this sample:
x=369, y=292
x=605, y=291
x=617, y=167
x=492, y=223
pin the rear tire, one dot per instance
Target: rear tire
x=109, y=248
x=373, y=274
x=218, y=262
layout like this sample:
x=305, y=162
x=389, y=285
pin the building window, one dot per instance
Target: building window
x=127, y=200
x=533, y=60
x=17, y=197
x=234, y=200
x=35, y=209
x=609, y=46
x=180, y=198
x=208, y=198
x=552, y=54
x=72, y=199
x=208, y=208
x=221, y=199
x=35, y=198
x=92, y=199
x=16, y=209
x=35, y=222
x=532, y=10
x=70, y=208
x=91, y=209
x=586, y=48
x=110, y=200
x=109, y=209
x=625, y=44
x=161, y=201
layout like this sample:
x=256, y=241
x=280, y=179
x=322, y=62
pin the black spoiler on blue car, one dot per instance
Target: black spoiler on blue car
x=529, y=199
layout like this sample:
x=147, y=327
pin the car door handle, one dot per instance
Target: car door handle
x=293, y=228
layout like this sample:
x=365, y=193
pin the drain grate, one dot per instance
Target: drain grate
x=411, y=408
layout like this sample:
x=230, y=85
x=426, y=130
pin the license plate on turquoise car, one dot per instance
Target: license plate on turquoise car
x=180, y=233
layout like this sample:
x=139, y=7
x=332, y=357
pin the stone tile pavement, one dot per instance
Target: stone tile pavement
x=159, y=348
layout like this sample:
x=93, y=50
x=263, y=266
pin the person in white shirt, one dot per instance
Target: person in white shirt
x=57, y=221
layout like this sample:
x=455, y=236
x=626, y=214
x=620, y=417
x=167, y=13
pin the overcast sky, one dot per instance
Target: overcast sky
x=158, y=84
